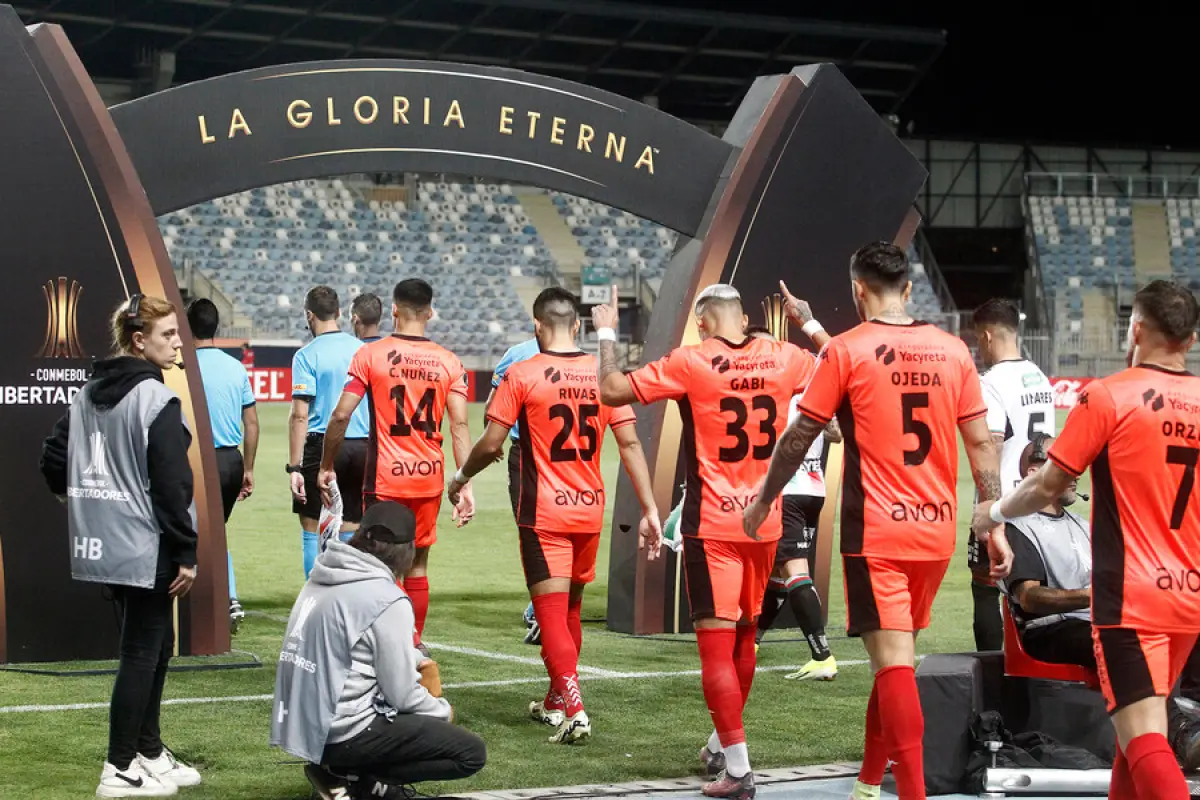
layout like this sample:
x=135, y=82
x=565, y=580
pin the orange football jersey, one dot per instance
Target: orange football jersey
x=407, y=381
x=899, y=393
x=555, y=398
x=1139, y=430
x=733, y=400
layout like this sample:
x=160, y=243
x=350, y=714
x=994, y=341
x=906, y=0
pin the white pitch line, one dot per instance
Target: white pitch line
x=471, y=651
x=604, y=675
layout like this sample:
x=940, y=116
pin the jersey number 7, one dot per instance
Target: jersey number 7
x=1187, y=456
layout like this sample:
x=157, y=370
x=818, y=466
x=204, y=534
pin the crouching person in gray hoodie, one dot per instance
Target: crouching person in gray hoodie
x=349, y=697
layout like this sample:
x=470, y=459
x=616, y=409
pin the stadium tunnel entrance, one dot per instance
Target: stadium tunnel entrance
x=805, y=173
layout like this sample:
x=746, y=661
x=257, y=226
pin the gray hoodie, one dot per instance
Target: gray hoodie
x=384, y=658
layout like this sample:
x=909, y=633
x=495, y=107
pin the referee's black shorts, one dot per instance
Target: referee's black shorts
x=351, y=468
x=230, y=471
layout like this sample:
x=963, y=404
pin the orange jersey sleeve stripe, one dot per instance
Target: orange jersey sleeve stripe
x=500, y=420
x=622, y=423
x=1064, y=466
x=808, y=412
x=633, y=384
x=973, y=415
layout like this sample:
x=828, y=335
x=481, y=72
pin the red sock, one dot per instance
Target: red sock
x=874, y=761
x=558, y=649
x=719, y=679
x=575, y=623
x=1121, y=785
x=745, y=659
x=1156, y=773
x=417, y=589
x=903, y=728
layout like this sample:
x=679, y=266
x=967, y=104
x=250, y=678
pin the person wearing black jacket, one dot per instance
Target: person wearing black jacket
x=119, y=461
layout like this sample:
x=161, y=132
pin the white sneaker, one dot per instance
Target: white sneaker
x=133, y=782
x=169, y=768
x=573, y=729
x=547, y=716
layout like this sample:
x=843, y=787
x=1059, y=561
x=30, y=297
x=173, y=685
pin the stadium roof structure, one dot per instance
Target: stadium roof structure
x=697, y=63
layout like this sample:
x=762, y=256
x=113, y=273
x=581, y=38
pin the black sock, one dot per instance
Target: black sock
x=772, y=604
x=989, y=625
x=806, y=605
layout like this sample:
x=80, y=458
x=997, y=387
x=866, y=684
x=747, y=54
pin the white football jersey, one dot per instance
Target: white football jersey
x=1020, y=403
x=809, y=480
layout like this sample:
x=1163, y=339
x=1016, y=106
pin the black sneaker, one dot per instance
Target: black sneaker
x=370, y=789
x=327, y=785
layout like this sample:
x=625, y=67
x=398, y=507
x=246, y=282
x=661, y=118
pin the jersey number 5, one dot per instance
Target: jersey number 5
x=910, y=402
x=1187, y=456
x=422, y=418
x=737, y=428
x=587, y=432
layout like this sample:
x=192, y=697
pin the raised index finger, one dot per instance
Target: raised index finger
x=783, y=288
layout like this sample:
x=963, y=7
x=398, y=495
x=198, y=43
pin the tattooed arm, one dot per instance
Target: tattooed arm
x=984, y=456
x=833, y=431
x=615, y=389
x=787, y=458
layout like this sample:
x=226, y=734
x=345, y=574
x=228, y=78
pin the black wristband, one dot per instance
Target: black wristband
x=292, y=469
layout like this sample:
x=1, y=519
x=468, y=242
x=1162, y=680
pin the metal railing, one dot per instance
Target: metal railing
x=1102, y=184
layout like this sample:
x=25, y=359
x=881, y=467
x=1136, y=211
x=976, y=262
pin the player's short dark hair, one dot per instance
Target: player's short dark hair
x=556, y=307
x=413, y=294
x=322, y=301
x=882, y=266
x=203, y=318
x=1168, y=308
x=368, y=308
x=758, y=330
x=999, y=313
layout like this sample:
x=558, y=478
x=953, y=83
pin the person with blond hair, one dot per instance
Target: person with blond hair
x=118, y=459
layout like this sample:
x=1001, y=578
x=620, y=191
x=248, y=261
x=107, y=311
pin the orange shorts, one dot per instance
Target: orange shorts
x=546, y=555
x=425, y=509
x=890, y=595
x=1134, y=664
x=727, y=580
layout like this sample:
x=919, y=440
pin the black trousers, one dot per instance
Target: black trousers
x=147, y=641
x=230, y=471
x=410, y=749
x=1065, y=642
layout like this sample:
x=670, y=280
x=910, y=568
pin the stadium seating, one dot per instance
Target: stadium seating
x=625, y=244
x=1085, y=249
x=1182, y=215
x=264, y=248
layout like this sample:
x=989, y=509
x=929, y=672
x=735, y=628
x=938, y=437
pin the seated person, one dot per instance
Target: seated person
x=1049, y=588
x=350, y=694
x=1049, y=592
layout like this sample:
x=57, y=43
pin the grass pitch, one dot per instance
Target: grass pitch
x=645, y=727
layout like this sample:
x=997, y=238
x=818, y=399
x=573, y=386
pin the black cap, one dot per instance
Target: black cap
x=389, y=522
